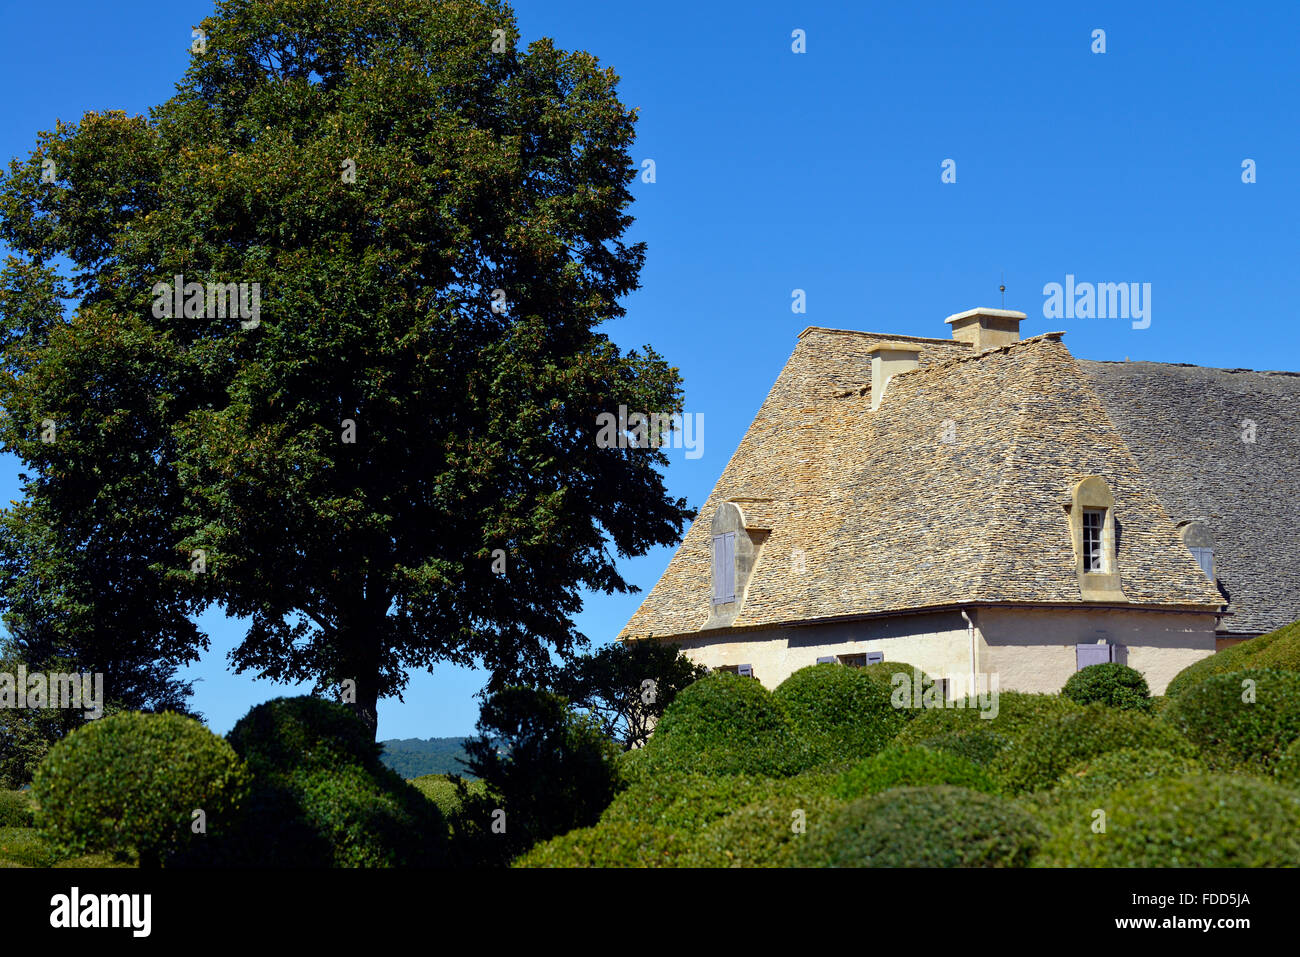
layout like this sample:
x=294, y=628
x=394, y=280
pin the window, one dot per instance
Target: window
x=1094, y=521
x=942, y=685
x=724, y=568
x=1205, y=557
x=862, y=660
x=745, y=671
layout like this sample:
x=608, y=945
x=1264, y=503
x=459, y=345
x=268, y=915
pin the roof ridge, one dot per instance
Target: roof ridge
x=879, y=335
x=1007, y=347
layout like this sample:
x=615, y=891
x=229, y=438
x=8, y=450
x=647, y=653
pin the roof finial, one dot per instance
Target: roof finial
x=1003, y=289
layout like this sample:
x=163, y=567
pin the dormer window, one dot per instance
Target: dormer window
x=1199, y=541
x=724, y=568
x=1094, y=525
x=1094, y=535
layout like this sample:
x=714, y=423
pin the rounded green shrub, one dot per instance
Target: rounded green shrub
x=1110, y=683
x=687, y=802
x=911, y=767
x=27, y=847
x=1287, y=768
x=887, y=674
x=765, y=834
x=613, y=844
x=941, y=826
x=16, y=809
x=1108, y=772
x=321, y=797
x=1241, y=720
x=129, y=784
x=441, y=790
x=1256, y=653
x=1211, y=820
x=1010, y=714
x=838, y=713
x=725, y=724
x=1045, y=753
x=978, y=745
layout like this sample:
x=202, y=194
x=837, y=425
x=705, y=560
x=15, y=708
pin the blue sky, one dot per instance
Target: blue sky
x=821, y=171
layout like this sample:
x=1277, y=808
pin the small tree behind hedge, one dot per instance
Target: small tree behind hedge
x=1111, y=684
x=130, y=784
x=547, y=770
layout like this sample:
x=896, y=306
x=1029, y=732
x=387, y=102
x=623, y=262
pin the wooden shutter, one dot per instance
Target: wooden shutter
x=745, y=671
x=1205, y=556
x=1085, y=655
x=724, y=568
x=875, y=657
x=827, y=660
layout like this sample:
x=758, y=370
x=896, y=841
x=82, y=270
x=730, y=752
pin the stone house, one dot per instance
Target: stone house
x=990, y=508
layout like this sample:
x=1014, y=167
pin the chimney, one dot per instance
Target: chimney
x=986, y=328
x=887, y=360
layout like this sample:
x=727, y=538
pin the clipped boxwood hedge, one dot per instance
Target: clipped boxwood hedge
x=1048, y=751
x=1287, y=768
x=1017, y=713
x=322, y=797
x=766, y=834
x=441, y=790
x=690, y=802
x=27, y=847
x=725, y=724
x=128, y=784
x=900, y=766
x=1109, y=683
x=939, y=826
x=981, y=746
x=1099, y=776
x=16, y=809
x=838, y=713
x=886, y=674
x=610, y=844
x=1258, y=652
x=1233, y=733
x=1211, y=820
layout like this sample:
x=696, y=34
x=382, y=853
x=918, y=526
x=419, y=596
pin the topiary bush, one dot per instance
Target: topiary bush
x=27, y=847
x=1111, y=684
x=1287, y=768
x=687, y=802
x=901, y=766
x=886, y=674
x=838, y=713
x=939, y=826
x=129, y=783
x=725, y=724
x=16, y=809
x=1258, y=652
x=321, y=797
x=765, y=834
x=1211, y=820
x=1016, y=713
x=978, y=745
x=441, y=790
x=1099, y=776
x=1241, y=720
x=612, y=844
x=1045, y=753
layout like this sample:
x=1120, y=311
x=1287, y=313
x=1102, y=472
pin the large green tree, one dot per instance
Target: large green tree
x=390, y=460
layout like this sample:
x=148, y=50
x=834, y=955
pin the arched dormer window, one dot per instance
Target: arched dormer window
x=736, y=537
x=1094, y=536
x=1199, y=541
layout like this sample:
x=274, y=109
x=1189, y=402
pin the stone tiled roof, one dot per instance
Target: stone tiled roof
x=1187, y=427
x=952, y=492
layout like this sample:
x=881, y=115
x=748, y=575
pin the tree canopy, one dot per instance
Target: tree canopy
x=386, y=458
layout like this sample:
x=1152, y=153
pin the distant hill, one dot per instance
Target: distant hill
x=413, y=757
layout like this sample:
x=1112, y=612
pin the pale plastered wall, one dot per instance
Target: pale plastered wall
x=1034, y=649
x=1028, y=649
